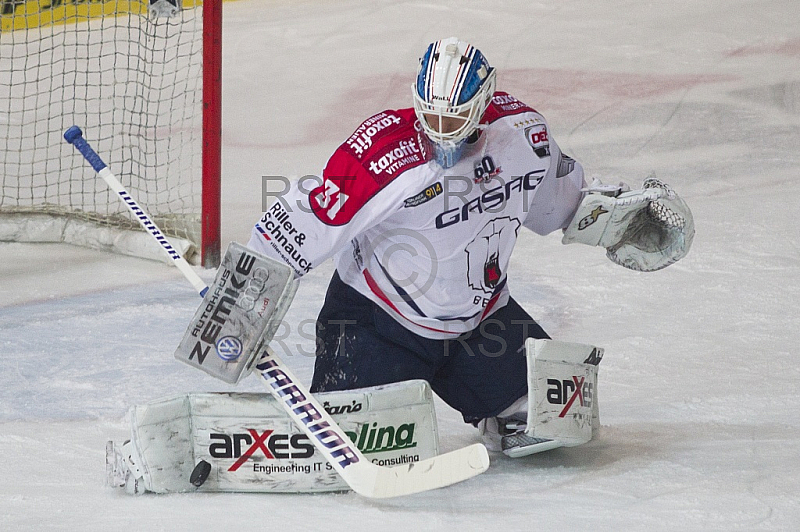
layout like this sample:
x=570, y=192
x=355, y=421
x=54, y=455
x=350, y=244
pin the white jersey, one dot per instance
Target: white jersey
x=429, y=246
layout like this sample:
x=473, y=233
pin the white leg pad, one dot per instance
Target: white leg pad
x=562, y=379
x=252, y=445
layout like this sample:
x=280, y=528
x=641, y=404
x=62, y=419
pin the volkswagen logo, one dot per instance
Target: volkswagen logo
x=229, y=348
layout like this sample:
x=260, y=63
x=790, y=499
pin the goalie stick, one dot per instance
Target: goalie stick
x=74, y=136
x=364, y=477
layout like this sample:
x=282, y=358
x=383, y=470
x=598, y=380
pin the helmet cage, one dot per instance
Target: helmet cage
x=440, y=85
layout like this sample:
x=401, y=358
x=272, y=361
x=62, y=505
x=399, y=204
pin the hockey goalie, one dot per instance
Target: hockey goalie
x=420, y=208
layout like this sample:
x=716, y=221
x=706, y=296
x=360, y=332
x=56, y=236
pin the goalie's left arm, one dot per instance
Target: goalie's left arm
x=643, y=230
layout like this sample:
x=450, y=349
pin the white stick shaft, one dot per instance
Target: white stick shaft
x=74, y=136
x=149, y=226
x=364, y=477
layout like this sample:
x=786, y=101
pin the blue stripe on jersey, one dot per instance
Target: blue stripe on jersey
x=411, y=303
x=401, y=292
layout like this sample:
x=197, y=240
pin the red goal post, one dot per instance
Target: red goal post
x=212, y=132
x=143, y=80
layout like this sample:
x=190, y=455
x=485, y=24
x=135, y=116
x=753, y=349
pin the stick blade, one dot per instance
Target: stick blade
x=437, y=472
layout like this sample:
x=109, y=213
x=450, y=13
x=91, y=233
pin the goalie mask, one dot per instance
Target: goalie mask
x=454, y=86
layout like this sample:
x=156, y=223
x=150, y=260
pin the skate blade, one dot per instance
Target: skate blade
x=520, y=444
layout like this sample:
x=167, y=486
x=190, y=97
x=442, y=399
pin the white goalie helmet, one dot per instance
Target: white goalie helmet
x=454, y=87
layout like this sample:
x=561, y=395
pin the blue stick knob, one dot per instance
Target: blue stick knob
x=74, y=136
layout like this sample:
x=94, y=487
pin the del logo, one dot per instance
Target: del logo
x=375, y=439
x=537, y=138
x=270, y=445
x=569, y=392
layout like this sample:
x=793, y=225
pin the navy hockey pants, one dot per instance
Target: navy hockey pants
x=480, y=373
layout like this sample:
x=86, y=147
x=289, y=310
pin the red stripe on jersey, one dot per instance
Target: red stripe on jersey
x=490, y=305
x=383, y=297
x=263, y=233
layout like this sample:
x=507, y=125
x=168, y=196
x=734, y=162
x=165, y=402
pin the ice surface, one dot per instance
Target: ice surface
x=699, y=385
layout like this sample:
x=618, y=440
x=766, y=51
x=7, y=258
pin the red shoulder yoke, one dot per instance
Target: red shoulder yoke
x=381, y=148
x=503, y=104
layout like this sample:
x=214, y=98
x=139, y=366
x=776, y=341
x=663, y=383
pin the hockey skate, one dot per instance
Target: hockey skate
x=507, y=434
x=521, y=444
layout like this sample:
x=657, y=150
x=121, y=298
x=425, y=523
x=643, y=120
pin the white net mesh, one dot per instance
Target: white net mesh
x=131, y=81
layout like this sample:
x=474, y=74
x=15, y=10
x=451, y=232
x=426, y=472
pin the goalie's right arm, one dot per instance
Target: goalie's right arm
x=644, y=230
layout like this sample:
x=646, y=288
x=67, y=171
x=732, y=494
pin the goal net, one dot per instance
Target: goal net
x=130, y=74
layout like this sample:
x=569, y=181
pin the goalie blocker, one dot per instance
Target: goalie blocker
x=240, y=313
